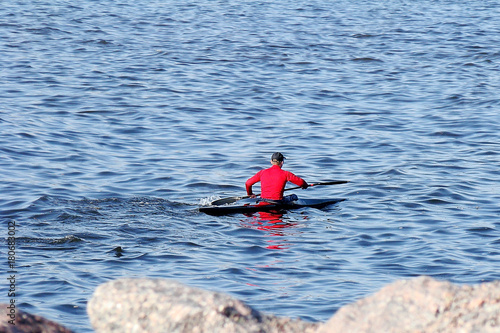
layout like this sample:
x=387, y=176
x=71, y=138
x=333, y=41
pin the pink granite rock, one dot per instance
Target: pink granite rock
x=422, y=305
x=159, y=305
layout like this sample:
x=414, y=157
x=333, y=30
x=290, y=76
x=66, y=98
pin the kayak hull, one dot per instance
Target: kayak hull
x=254, y=205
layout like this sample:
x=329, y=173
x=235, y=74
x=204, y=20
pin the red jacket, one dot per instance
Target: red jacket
x=273, y=181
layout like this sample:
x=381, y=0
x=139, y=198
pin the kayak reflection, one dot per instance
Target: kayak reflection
x=274, y=225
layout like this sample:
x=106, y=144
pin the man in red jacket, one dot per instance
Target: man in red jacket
x=273, y=181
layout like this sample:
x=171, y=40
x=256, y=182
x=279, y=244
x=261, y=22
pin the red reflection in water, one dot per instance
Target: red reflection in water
x=271, y=222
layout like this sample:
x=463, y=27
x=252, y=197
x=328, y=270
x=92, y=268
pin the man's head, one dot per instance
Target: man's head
x=277, y=158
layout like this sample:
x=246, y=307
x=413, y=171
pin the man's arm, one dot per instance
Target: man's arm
x=249, y=183
x=297, y=180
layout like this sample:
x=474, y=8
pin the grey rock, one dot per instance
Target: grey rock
x=160, y=305
x=27, y=323
x=422, y=305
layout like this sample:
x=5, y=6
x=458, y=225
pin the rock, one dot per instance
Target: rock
x=27, y=323
x=160, y=305
x=422, y=305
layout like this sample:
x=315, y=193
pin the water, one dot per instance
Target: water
x=117, y=119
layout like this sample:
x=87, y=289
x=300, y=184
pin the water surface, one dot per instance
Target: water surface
x=117, y=120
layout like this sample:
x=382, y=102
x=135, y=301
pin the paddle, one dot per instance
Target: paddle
x=225, y=201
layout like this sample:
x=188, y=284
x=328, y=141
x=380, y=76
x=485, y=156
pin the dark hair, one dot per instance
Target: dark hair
x=277, y=157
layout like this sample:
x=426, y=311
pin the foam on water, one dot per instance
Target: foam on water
x=207, y=201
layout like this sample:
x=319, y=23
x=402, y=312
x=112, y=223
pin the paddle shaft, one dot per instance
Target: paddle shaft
x=257, y=195
x=234, y=199
x=317, y=184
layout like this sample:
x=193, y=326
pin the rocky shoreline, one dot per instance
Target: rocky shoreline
x=421, y=304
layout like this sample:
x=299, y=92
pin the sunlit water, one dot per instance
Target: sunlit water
x=118, y=119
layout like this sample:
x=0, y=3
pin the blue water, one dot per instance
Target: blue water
x=118, y=119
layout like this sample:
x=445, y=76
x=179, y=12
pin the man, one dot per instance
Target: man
x=273, y=181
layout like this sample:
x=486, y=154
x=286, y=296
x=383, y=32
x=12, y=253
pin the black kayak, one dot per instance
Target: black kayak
x=256, y=205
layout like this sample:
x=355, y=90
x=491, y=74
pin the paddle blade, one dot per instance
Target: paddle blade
x=226, y=201
x=335, y=182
